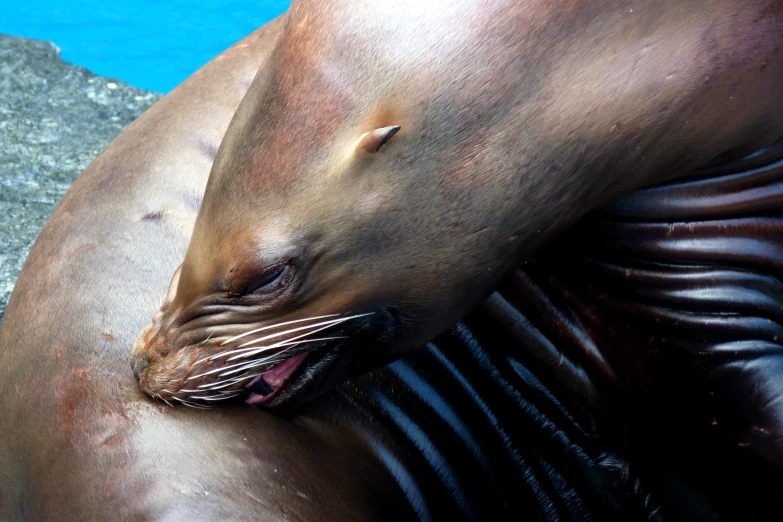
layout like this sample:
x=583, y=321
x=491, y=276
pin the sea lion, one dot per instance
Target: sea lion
x=389, y=170
x=78, y=441
x=490, y=422
x=414, y=441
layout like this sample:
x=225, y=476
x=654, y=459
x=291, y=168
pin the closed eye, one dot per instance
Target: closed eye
x=266, y=282
x=270, y=280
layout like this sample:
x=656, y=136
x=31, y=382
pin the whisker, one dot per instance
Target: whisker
x=244, y=351
x=214, y=398
x=249, y=352
x=191, y=404
x=270, y=360
x=229, y=393
x=276, y=345
x=278, y=334
x=275, y=326
x=299, y=329
x=214, y=370
x=221, y=384
x=206, y=340
x=258, y=349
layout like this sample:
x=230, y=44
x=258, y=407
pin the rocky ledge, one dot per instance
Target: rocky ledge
x=54, y=119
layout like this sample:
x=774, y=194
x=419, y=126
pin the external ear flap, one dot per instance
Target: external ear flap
x=372, y=141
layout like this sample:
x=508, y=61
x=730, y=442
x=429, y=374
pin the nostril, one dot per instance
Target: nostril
x=138, y=365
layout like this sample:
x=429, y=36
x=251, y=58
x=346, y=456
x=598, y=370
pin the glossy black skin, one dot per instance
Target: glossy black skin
x=678, y=288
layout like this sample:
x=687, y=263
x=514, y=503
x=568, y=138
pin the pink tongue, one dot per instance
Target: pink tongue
x=274, y=377
x=280, y=372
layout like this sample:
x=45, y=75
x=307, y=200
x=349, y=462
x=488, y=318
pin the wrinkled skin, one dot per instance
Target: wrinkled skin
x=78, y=441
x=516, y=118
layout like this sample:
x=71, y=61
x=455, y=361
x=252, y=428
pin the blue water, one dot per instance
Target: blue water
x=150, y=44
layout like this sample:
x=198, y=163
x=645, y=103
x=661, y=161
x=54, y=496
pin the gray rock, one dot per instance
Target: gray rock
x=54, y=119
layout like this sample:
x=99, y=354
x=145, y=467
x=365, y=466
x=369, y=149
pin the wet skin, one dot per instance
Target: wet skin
x=505, y=417
x=78, y=441
x=387, y=171
x=438, y=437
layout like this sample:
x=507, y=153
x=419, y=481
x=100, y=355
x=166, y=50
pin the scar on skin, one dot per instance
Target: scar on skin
x=84, y=248
x=152, y=216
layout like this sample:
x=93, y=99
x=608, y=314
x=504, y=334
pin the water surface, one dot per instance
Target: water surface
x=149, y=44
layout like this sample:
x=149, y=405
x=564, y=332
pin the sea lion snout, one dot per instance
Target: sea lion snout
x=138, y=365
x=140, y=354
x=248, y=337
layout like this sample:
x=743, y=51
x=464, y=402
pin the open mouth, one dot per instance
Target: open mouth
x=306, y=374
x=293, y=379
x=263, y=387
x=273, y=358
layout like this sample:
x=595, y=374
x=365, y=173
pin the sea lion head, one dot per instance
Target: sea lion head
x=303, y=279
x=384, y=171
